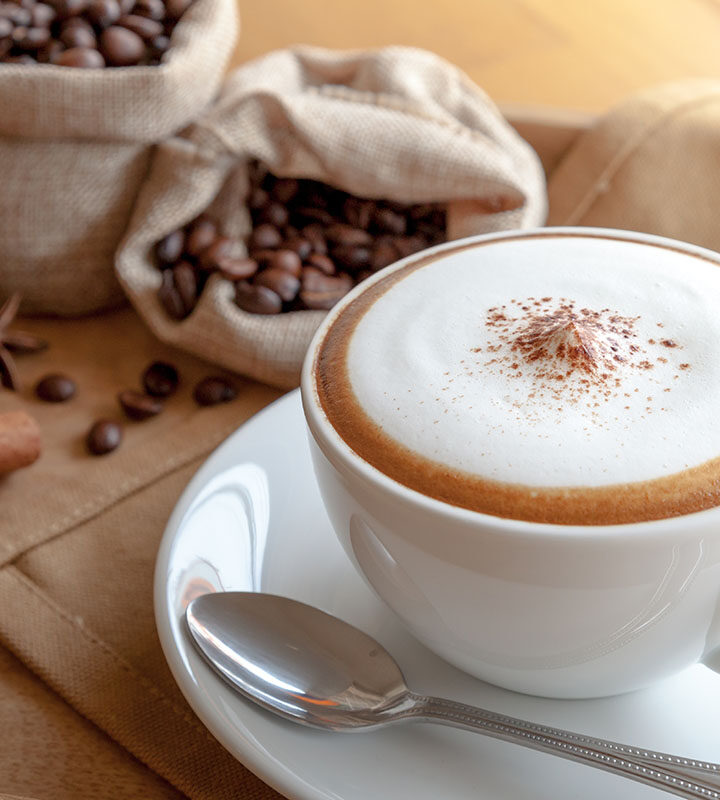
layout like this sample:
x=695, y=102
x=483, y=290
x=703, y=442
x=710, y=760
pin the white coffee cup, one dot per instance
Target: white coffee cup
x=560, y=610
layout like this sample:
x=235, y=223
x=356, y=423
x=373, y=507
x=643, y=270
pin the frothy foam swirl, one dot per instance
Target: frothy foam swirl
x=563, y=363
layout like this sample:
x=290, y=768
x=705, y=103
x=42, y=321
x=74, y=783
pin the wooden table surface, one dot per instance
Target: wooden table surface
x=583, y=55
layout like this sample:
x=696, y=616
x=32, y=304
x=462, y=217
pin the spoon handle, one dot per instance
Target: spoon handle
x=685, y=777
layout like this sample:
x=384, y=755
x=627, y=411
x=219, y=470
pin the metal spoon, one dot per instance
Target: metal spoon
x=318, y=670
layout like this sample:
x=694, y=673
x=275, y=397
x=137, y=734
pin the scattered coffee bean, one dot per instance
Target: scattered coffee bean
x=121, y=47
x=213, y=390
x=103, y=437
x=170, y=297
x=236, y=269
x=186, y=284
x=160, y=379
x=139, y=406
x=55, y=388
x=222, y=247
x=286, y=260
x=201, y=235
x=79, y=57
x=280, y=281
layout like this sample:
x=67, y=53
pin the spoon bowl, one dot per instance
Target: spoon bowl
x=310, y=667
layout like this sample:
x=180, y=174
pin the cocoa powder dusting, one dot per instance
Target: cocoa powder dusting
x=567, y=354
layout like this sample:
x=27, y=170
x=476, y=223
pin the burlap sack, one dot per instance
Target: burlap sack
x=397, y=123
x=75, y=146
x=649, y=165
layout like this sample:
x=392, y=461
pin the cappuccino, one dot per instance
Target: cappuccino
x=553, y=377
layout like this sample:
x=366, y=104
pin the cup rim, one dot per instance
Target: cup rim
x=338, y=452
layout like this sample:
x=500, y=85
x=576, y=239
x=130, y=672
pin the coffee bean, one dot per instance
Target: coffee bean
x=263, y=257
x=174, y=9
x=104, y=13
x=34, y=39
x=169, y=249
x=258, y=199
x=103, y=437
x=69, y=8
x=16, y=14
x=82, y=57
x=286, y=260
x=160, y=379
x=42, y=15
x=144, y=27
x=282, y=282
x=6, y=28
x=121, y=47
x=201, y=234
x=78, y=36
x=170, y=297
x=257, y=299
x=347, y=236
x=159, y=46
x=389, y=221
x=358, y=213
x=213, y=390
x=285, y=189
x=235, y=269
x=274, y=214
x=222, y=247
x=263, y=237
x=351, y=257
x=407, y=245
x=384, y=253
x=309, y=214
x=298, y=245
x=314, y=234
x=139, y=406
x=154, y=9
x=55, y=388
x=320, y=291
x=186, y=284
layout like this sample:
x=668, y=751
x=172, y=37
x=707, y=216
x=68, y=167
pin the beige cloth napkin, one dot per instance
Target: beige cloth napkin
x=87, y=705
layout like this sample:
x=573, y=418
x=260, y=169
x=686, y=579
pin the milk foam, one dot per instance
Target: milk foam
x=432, y=367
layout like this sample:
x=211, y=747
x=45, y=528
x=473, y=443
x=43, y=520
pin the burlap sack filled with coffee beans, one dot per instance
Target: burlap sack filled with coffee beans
x=75, y=146
x=399, y=124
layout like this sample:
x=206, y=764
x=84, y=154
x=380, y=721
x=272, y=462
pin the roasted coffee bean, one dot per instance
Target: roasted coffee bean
x=170, y=297
x=236, y=269
x=174, y=9
x=186, y=284
x=350, y=256
x=275, y=214
x=169, y=249
x=282, y=282
x=264, y=237
x=154, y=9
x=298, y=245
x=144, y=27
x=55, y=388
x=389, y=221
x=126, y=6
x=258, y=199
x=320, y=291
x=213, y=390
x=159, y=46
x=263, y=257
x=407, y=245
x=314, y=235
x=358, y=213
x=257, y=299
x=222, y=247
x=103, y=437
x=82, y=57
x=201, y=234
x=160, y=379
x=49, y=53
x=16, y=14
x=347, y=236
x=323, y=263
x=78, y=36
x=6, y=28
x=310, y=214
x=104, y=13
x=139, y=406
x=42, y=15
x=121, y=47
x=286, y=260
x=34, y=39
x=69, y=8
x=285, y=189
x=383, y=254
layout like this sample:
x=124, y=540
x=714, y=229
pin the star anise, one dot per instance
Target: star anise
x=14, y=342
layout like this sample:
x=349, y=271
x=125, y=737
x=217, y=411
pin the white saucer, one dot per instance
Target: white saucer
x=252, y=519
